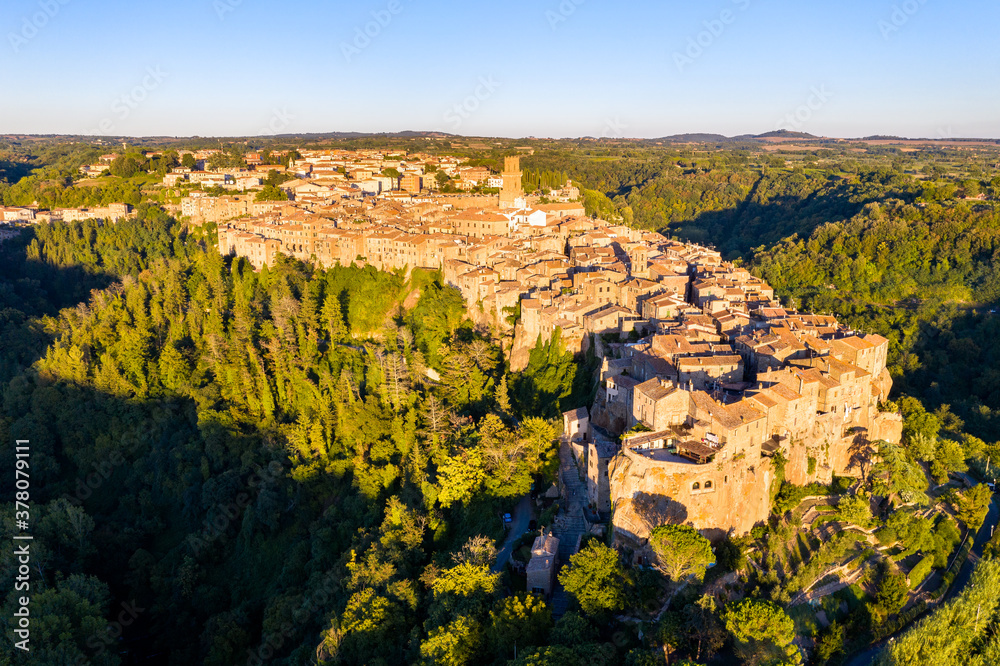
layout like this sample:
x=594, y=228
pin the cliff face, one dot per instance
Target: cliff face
x=521, y=349
x=836, y=447
x=646, y=493
x=730, y=495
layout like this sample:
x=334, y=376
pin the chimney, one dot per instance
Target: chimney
x=801, y=384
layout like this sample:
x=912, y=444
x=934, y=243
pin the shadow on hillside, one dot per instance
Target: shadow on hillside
x=959, y=367
x=765, y=219
x=14, y=171
x=30, y=290
x=187, y=516
x=180, y=509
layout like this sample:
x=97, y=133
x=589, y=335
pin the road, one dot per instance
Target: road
x=518, y=526
x=867, y=657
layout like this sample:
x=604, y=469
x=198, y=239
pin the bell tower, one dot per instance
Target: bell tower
x=512, y=190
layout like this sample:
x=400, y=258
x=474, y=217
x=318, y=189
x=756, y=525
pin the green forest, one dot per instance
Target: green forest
x=291, y=466
x=220, y=445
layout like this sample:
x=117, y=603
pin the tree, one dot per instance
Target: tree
x=830, y=643
x=367, y=621
x=479, y=551
x=949, y=634
x=523, y=620
x=596, y=579
x=454, y=643
x=992, y=548
x=643, y=657
x=503, y=398
x=548, y=379
x=508, y=473
x=559, y=655
x=704, y=626
x=460, y=476
x=124, y=166
x=856, y=510
x=973, y=505
x=896, y=475
x=762, y=630
x=949, y=457
x=68, y=623
x=466, y=580
x=893, y=592
x=922, y=446
x=188, y=161
x=572, y=629
x=681, y=552
x=670, y=634
x=271, y=193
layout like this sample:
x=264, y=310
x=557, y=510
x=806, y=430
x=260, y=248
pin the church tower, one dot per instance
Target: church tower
x=512, y=194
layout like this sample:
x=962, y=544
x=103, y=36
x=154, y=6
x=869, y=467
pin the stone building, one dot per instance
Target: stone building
x=541, y=568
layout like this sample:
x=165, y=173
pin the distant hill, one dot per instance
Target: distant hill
x=309, y=136
x=720, y=138
x=406, y=134
x=786, y=134
x=695, y=138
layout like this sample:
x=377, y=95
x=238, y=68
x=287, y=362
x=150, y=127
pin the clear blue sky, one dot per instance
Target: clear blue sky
x=582, y=67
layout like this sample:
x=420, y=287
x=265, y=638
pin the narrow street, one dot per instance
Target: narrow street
x=518, y=526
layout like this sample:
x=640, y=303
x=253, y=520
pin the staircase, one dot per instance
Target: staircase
x=570, y=525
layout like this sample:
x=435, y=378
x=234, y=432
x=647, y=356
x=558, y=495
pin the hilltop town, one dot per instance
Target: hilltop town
x=709, y=389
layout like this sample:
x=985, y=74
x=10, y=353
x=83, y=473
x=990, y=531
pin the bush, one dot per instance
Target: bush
x=921, y=571
x=549, y=515
x=950, y=574
x=841, y=484
x=790, y=495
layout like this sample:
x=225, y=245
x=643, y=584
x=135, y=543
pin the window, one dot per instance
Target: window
x=708, y=484
x=696, y=486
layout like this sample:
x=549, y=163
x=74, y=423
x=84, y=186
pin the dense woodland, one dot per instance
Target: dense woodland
x=257, y=432
x=259, y=468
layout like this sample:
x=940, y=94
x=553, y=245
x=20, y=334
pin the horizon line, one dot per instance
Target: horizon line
x=435, y=134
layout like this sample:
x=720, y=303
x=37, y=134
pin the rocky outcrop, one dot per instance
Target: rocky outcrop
x=717, y=498
x=521, y=349
x=647, y=493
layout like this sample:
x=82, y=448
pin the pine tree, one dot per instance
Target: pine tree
x=333, y=318
x=503, y=398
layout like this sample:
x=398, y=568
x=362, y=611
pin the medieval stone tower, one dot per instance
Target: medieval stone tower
x=512, y=194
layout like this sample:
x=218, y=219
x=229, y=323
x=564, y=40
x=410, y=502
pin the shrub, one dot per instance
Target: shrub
x=921, y=571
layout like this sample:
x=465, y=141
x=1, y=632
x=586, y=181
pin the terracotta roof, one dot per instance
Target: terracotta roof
x=655, y=389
